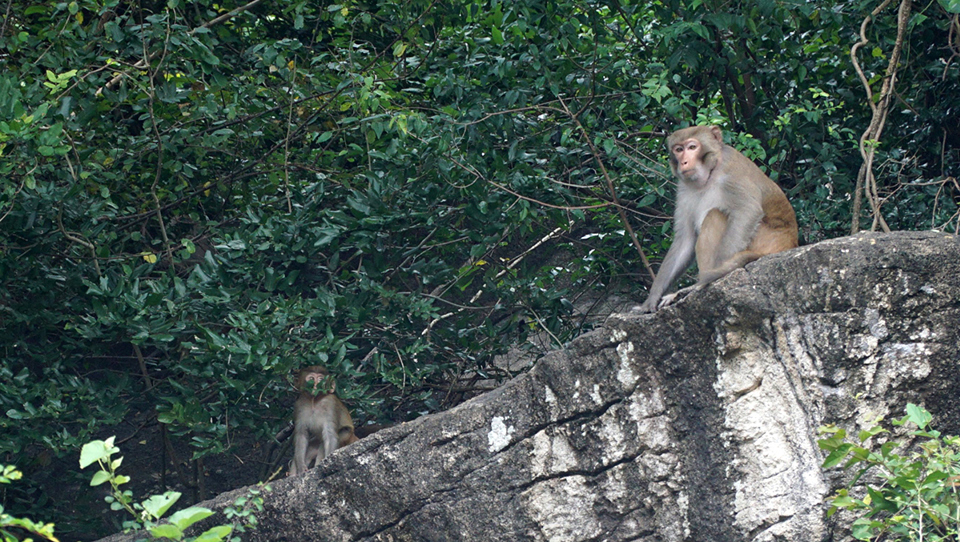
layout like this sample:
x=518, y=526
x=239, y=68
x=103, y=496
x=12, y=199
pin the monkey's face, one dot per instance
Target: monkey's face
x=694, y=153
x=690, y=161
x=318, y=384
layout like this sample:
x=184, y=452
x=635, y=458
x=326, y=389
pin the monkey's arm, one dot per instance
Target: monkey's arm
x=300, y=441
x=677, y=260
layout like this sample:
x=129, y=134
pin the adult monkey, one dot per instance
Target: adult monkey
x=321, y=424
x=728, y=212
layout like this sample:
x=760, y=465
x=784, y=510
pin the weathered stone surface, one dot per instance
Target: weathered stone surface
x=695, y=423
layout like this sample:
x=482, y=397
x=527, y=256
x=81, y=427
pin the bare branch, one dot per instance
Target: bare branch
x=866, y=180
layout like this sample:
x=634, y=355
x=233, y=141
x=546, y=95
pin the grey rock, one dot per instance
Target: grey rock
x=696, y=423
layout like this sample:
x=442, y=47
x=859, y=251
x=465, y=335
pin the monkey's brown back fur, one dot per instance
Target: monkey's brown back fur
x=778, y=228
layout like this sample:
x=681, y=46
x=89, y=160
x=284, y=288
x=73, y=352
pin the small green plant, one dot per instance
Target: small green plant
x=917, y=495
x=147, y=514
x=33, y=530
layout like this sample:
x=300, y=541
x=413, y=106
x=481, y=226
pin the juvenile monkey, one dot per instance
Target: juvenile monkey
x=728, y=212
x=321, y=424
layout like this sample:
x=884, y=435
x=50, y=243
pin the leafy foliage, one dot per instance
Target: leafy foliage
x=198, y=197
x=11, y=526
x=917, y=497
x=148, y=513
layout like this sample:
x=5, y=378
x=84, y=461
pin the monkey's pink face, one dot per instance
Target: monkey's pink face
x=688, y=156
x=318, y=384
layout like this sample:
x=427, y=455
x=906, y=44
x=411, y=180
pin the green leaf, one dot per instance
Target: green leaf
x=873, y=431
x=863, y=529
x=879, y=501
x=166, y=531
x=844, y=502
x=497, y=36
x=188, y=516
x=157, y=505
x=918, y=415
x=951, y=6
x=96, y=450
x=837, y=456
x=933, y=479
x=100, y=477
x=215, y=534
x=647, y=200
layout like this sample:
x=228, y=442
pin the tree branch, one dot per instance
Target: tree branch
x=866, y=181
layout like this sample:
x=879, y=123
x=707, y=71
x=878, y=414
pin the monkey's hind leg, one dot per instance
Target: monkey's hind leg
x=738, y=260
x=712, y=230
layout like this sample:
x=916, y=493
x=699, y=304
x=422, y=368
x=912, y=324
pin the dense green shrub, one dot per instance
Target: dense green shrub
x=146, y=515
x=912, y=495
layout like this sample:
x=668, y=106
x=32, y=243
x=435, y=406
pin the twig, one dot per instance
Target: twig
x=159, y=169
x=71, y=237
x=613, y=191
x=143, y=367
x=13, y=198
x=519, y=258
x=286, y=141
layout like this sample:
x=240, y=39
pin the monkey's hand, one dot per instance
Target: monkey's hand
x=646, y=308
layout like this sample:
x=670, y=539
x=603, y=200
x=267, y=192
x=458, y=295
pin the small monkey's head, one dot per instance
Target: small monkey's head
x=695, y=153
x=315, y=380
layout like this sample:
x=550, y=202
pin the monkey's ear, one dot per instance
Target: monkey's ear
x=717, y=134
